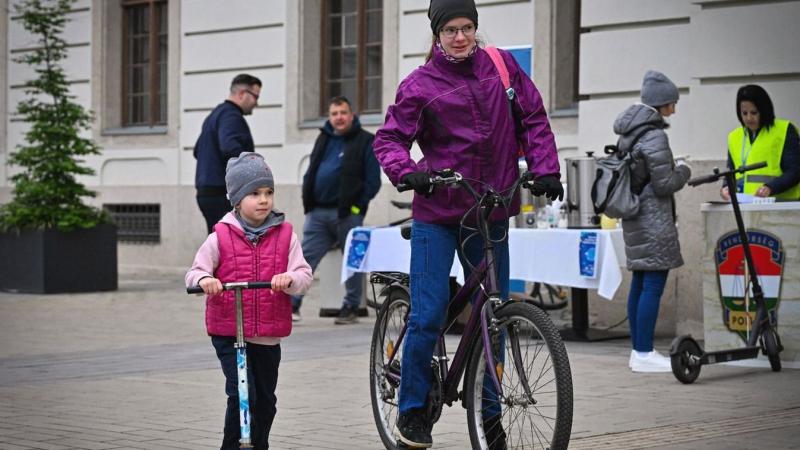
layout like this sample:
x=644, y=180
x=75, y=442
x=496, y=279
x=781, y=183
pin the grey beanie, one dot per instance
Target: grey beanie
x=442, y=11
x=246, y=173
x=658, y=90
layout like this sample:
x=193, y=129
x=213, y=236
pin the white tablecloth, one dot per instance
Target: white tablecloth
x=549, y=256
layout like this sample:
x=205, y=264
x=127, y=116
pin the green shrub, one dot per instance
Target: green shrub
x=46, y=191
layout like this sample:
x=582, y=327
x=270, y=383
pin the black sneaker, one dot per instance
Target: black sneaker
x=412, y=429
x=347, y=315
x=495, y=435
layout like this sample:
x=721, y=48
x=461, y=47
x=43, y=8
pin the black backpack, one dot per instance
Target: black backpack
x=614, y=193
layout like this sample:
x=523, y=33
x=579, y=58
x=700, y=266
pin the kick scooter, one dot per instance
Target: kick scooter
x=686, y=355
x=241, y=355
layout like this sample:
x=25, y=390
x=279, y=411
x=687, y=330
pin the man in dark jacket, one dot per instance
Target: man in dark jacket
x=342, y=177
x=225, y=134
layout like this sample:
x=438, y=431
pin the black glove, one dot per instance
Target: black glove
x=548, y=185
x=419, y=181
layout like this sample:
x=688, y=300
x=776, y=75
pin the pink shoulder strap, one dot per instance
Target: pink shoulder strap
x=500, y=65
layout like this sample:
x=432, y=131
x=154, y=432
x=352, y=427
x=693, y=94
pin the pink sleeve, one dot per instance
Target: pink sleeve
x=298, y=269
x=205, y=261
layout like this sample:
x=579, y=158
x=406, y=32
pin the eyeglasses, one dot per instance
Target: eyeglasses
x=255, y=96
x=451, y=32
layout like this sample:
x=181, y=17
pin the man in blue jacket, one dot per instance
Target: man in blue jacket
x=342, y=177
x=225, y=134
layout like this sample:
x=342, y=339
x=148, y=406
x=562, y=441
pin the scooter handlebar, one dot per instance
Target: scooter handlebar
x=231, y=286
x=717, y=174
x=703, y=180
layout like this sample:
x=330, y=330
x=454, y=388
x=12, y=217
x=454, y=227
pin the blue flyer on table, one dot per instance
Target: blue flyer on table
x=587, y=254
x=359, y=242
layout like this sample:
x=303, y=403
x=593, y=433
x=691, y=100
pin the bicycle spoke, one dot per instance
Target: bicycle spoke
x=527, y=360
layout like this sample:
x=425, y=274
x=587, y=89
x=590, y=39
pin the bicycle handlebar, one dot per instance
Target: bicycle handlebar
x=717, y=174
x=449, y=177
x=234, y=285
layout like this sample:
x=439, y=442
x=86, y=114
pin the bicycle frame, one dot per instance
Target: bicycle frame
x=483, y=280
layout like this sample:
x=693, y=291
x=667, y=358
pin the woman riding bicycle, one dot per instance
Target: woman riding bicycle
x=456, y=108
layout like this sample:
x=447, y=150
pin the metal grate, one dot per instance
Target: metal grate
x=137, y=223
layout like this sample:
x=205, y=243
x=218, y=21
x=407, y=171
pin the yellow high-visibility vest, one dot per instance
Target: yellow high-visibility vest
x=768, y=146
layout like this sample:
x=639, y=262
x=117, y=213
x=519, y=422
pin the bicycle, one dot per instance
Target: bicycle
x=241, y=355
x=535, y=396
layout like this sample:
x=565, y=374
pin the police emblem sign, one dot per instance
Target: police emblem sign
x=768, y=258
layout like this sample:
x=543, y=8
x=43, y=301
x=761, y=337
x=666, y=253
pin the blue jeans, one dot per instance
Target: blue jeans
x=262, y=378
x=643, y=301
x=321, y=231
x=432, y=249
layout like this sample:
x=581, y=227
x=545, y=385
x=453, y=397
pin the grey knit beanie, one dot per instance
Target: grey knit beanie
x=658, y=90
x=442, y=11
x=246, y=173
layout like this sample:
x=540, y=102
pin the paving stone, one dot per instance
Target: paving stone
x=133, y=369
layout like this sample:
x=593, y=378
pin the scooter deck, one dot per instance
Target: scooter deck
x=729, y=355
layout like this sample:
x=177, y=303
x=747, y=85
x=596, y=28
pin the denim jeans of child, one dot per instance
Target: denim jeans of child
x=262, y=377
x=432, y=249
x=643, y=302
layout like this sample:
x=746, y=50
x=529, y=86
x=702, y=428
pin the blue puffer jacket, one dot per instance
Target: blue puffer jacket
x=225, y=134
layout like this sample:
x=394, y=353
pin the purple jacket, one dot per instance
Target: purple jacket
x=458, y=114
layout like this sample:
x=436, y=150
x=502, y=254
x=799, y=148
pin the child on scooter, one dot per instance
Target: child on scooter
x=251, y=243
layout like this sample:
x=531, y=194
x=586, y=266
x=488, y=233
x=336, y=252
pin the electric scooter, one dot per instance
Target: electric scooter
x=685, y=353
x=241, y=355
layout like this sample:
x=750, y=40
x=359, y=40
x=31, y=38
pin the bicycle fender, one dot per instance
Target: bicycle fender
x=396, y=285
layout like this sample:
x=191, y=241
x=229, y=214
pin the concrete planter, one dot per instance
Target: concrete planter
x=52, y=261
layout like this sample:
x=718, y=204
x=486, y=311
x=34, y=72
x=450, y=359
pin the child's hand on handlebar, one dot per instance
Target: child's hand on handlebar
x=548, y=185
x=725, y=194
x=281, y=282
x=211, y=285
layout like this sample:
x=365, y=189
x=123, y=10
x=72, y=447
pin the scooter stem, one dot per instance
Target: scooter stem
x=758, y=293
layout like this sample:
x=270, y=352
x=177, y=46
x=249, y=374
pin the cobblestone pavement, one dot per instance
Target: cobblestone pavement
x=133, y=369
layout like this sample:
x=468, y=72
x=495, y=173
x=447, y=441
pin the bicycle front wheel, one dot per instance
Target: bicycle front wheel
x=529, y=350
x=384, y=378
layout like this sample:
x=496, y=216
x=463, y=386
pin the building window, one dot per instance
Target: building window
x=352, y=34
x=137, y=223
x=144, y=62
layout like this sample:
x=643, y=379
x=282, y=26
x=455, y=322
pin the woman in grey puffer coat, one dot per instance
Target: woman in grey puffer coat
x=651, y=237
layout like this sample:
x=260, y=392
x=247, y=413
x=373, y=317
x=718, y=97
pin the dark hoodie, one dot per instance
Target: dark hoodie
x=343, y=171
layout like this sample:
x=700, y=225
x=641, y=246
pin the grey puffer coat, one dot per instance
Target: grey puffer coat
x=651, y=237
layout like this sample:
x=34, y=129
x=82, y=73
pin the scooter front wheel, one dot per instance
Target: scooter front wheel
x=685, y=357
x=771, y=348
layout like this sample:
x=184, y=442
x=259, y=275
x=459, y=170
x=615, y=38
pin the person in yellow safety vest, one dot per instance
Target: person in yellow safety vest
x=763, y=137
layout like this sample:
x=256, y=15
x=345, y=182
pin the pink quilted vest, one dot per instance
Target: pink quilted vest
x=265, y=313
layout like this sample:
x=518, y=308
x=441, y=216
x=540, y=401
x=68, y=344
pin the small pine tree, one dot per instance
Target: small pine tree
x=46, y=192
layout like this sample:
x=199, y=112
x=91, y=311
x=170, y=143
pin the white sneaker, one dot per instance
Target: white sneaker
x=296, y=316
x=630, y=360
x=652, y=362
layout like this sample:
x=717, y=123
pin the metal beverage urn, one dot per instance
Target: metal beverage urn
x=580, y=177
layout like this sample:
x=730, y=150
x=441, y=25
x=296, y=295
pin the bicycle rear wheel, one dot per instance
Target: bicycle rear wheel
x=543, y=420
x=384, y=381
